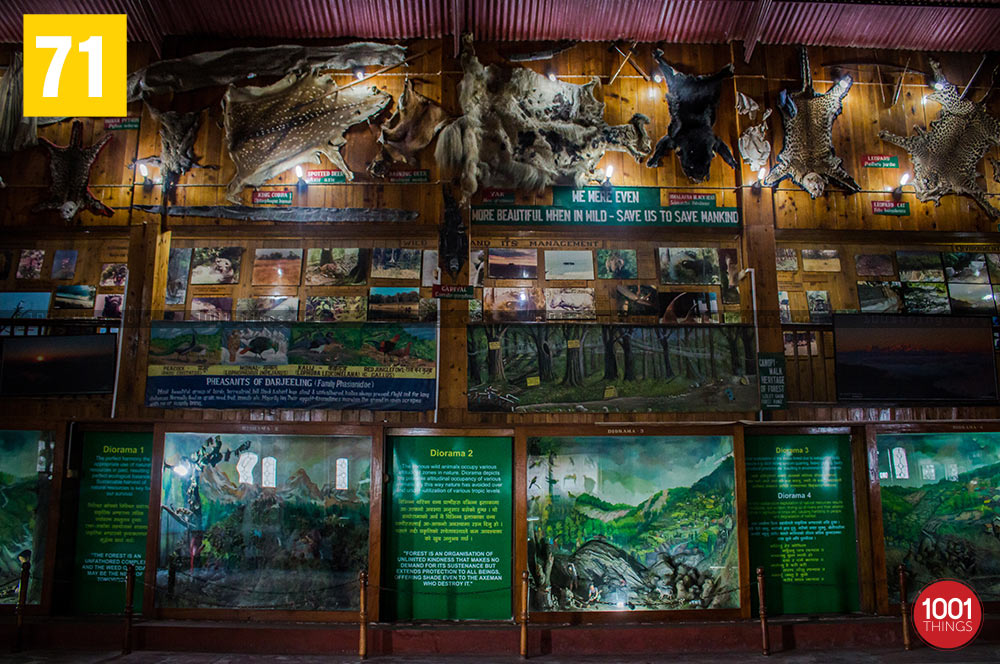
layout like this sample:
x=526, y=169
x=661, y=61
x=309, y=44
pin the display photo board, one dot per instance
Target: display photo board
x=448, y=540
x=801, y=518
x=112, y=520
x=941, y=509
x=632, y=523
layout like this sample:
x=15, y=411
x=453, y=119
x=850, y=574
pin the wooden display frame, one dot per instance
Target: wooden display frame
x=890, y=605
x=151, y=611
x=641, y=429
x=518, y=516
x=51, y=521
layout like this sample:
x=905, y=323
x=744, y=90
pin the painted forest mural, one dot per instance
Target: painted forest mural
x=611, y=368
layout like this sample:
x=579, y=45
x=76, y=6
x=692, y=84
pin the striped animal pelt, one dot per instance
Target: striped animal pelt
x=522, y=131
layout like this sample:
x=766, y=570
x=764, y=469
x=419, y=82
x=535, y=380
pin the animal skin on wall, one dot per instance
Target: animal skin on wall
x=272, y=129
x=693, y=101
x=807, y=155
x=945, y=156
x=522, y=131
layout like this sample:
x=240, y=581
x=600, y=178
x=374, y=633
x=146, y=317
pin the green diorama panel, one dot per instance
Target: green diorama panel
x=259, y=521
x=800, y=509
x=448, y=539
x=112, y=520
x=25, y=485
x=618, y=523
x=941, y=509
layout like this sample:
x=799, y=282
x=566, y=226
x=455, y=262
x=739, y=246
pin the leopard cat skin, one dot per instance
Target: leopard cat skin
x=946, y=155
x=807, y=155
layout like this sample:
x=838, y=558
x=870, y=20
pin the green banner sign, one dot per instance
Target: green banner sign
x=112, y=517
x=772, y=381
x=801, y=519
x=448, y=541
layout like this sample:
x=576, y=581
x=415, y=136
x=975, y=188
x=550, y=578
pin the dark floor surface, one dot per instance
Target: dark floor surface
x=975, y=653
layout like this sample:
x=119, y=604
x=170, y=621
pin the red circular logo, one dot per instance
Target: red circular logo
x=947, y=614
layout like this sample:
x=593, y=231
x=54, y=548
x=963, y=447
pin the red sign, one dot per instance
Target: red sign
x=947, y=614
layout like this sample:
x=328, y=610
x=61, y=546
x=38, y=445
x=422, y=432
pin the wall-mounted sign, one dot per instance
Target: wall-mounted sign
x=801, y=519
x=272, y=197
x=691, y=198
x=113, y=513
x=879, y=161
x=771, y=367
x=115, y=124
x=898, y=209
x=448, y=547
x=453, y=292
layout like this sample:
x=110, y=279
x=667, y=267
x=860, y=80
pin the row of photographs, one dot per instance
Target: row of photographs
x=895, y=297
x=677, y=265
x=561, y=304
x=30, y=261
x=953, y=267
x=76, y=299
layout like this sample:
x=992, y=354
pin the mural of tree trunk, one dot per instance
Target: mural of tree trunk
x=494, y=353
x=663, y=335
x=540, y=335
x=574, y=355
x=472, y=348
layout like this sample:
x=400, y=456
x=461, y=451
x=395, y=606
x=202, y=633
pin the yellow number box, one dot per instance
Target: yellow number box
x=75, y=65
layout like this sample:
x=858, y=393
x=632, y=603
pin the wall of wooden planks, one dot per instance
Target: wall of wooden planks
x=786, y=214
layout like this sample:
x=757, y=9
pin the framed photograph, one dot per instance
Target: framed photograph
x=513, y=304
x=30, y=264
x=336, y=266
x=787, y=259
x=74, y=297
x=687, y=265
x=114, y=274
x=880, y=297
x=386, y=303
x=961, y=267
x=570, y=304
x=506, y=263
x=211, y=308
x=926, y=298
x=267, y=308
x=617, y=264
x=337, y=309
x=686, y=307
x=922, y=266
x=818, y=302
x=277, y=267
x=636, y=300
x=216, y=265
x=820, y=260
x=874, y=265
x=971, y=299
x=178, y=266
x=64, y=264
x=396, y=263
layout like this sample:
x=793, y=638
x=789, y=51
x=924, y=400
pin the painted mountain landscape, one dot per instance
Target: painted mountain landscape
x=941, y=509
x=612, y=528
x=263, y=521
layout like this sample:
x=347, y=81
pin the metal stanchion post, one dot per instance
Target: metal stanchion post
x=22, y=600
x=524, y=614
x=363, y=616
x=904, y=608
x=765, y=638
x=129, y=594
